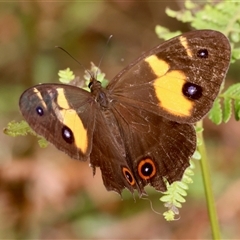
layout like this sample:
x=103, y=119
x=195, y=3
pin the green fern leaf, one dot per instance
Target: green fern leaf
x=181, y=191
x=189, y=4
x=232, y=91
x=66, y=76
x=166, y=198
x=179, y=199
x=183, y=16
x=15, y=129
x=169, y=215
x=237, y=109
x=189, y=172
x=22, y=128
x=196, y=155
x=235, y=54
x=187, y=179
x=177, y=204
x=212, y=16
x=235, y=37
x=227, y=110
x=42, y=142
x=182, y=184
x=176, y=193
x=215, y=114
x=232, y=94
x=164, y=33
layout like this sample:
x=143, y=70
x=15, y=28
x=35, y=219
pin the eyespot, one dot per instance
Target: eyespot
x=192, y=90
x=202, y=53
x=146, y=168
x=39, y=111
x=67, y=135
x=128, y=175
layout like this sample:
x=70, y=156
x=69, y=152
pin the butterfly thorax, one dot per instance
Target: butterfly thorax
x=99, y=92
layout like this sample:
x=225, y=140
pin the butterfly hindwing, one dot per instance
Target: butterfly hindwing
x=156, y=148
x=109, y=152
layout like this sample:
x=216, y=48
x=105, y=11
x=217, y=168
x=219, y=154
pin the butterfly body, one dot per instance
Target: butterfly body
x=139, y=129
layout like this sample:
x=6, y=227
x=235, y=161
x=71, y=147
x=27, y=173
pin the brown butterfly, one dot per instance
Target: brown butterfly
x=139, y=129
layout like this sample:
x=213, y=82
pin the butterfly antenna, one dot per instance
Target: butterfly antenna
x=101, y=59
x=74, y=59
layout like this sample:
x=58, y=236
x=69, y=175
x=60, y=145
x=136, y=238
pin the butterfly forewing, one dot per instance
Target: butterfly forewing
x=63, y=114
x=178, y=79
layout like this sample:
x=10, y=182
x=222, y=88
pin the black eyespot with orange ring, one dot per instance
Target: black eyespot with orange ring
x=146, y=168
x=128, y=175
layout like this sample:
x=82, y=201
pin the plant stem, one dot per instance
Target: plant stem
x=208, y=186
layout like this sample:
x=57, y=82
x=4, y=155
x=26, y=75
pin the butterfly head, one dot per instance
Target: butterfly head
x=99, y=92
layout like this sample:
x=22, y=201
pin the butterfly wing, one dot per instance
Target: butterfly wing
x=157, y=148
x=63, y=114
x=179, y=79
x=109, y=152
x=155, y=99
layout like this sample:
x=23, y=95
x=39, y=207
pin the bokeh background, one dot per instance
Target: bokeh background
x=46, y=195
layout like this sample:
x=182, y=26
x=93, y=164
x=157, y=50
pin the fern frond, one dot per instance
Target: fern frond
x=176, y=193
x=22, y=128
x=236, y=105
x=15, y=129
x=165, y=33
x=231, y=97
x=211, y=16
x=230, y=103
x=66, y=76
x=215, y=114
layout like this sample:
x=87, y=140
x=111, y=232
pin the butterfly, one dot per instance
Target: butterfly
x=139, y=129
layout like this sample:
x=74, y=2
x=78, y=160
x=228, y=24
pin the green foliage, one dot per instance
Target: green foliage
x=231, y=96
x=176, y=193
x=215, y=114
x=15, y=129
x=164, y=33
x=230, y=103
x=66, y=76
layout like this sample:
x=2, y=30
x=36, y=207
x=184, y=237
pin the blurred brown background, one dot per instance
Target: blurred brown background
x=43, y=193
